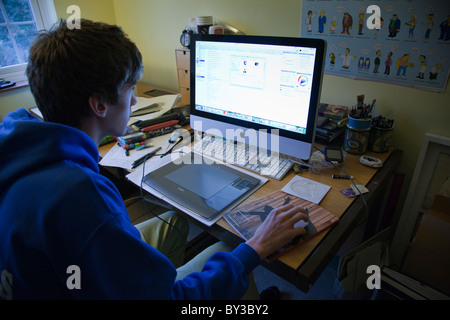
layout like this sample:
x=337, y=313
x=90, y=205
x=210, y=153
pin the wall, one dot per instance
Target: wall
x=156, y=25
x=98, y=10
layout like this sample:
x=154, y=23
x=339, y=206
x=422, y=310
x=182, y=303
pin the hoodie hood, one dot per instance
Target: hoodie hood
x=28, y=144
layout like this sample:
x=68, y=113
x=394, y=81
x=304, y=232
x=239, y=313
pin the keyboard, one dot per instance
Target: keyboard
x=243, y=156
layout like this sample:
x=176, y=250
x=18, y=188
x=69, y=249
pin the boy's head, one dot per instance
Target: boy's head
x=66, y=67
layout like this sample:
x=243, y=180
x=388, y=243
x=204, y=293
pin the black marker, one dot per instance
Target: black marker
x=338, y=176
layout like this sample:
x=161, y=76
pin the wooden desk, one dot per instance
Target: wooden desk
x=303, y=265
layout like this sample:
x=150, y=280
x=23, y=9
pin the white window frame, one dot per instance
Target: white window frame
x=45, y=17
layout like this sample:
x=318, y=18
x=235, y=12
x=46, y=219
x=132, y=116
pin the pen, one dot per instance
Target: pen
x=144, y=158
x=338, y=176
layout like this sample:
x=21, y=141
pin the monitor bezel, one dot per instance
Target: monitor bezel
x=318, y=44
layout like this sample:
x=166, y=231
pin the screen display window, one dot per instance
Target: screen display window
x=258, y=83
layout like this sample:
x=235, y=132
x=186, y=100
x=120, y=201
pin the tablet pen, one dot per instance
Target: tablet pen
x=338, y=176
x=146, y=157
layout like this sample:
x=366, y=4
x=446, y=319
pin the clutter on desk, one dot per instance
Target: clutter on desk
x=330, y=121
x=107, y=140
x=365, y=132
x=357, y=131
x=152, y=108
x=316, y=163
x=306, y=189
x=136, y=139
x=356, y=140
x=355, y=190
x=381, y=134
x=371, y=162
x=141, y=129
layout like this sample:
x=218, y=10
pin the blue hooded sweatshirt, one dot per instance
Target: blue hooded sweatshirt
x=57, y=211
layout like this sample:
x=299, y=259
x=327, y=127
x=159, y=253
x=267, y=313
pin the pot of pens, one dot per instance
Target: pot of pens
x=358, y=128
x=381, y=134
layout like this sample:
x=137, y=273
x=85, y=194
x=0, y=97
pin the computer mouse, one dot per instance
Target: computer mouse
x=301, y=224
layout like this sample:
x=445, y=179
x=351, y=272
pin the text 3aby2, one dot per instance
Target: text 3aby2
x=229, y=309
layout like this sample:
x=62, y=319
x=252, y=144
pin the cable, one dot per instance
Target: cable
x=141, y=189
x=353, y=183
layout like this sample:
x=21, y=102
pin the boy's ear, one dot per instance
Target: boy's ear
x=97, y=106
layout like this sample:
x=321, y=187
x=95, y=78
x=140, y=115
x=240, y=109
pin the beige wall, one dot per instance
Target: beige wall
x=156, y=25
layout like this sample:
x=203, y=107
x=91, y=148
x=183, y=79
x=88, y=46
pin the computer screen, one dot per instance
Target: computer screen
x=268, y=84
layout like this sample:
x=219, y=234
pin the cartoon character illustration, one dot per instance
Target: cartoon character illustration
x=388, y=63
x=434, y=71
x=346, y=58
x=394, y=26
x=347, y=23
x=333, y=26
x=445, y=30
x=412, y=25
x=422, y=66
x=367, y=64
x=403, y=64
x=308, y=21
x=332, y=59
x=377, y=61
x=361, y=64
x=360, y=23
x=322, y=21
x=375, y=30
x=430, y=24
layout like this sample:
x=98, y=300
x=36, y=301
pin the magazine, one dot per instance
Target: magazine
x=247, y=218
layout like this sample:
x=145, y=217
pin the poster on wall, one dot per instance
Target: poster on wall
x=405, y=42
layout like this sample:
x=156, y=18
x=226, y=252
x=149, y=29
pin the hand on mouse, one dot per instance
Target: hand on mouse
x=278, y=229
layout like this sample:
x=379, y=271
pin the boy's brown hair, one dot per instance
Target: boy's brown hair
x=67, y=66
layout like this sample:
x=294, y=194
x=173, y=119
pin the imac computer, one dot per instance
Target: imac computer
x=267, y=85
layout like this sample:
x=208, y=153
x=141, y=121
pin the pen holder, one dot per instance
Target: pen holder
x=359, y=124
x=380, y=139
x=356, y=140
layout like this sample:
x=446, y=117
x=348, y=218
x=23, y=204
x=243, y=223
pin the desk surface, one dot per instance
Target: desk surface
x=334, y=201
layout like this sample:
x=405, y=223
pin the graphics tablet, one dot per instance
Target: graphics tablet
x=206, y=189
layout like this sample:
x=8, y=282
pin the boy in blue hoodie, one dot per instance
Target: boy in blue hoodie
x=59, y=216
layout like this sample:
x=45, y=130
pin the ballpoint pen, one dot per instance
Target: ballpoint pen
x=145, y=158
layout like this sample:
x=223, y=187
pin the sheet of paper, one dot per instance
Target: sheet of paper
x=165, y=103
x=116, y=157
x=306, y=189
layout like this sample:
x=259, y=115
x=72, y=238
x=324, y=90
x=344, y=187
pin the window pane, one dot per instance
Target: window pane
x=8, y=55
x=24, y=34
x=18, y=10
